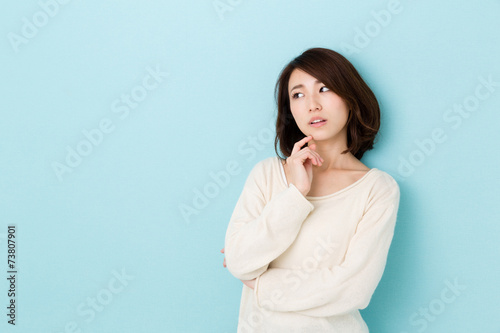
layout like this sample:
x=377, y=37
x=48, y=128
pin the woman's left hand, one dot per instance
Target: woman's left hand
x=248, y=283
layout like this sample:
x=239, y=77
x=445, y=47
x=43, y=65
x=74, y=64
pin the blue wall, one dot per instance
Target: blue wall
x=116, y=115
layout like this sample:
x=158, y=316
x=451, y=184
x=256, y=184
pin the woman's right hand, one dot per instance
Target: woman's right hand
x=300, y=165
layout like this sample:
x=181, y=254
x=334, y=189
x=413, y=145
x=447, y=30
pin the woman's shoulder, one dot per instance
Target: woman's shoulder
x=383, y=184
x=263, y=169
x=385, y=177
x=266, y=164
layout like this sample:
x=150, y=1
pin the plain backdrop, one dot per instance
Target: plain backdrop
x=128, y=129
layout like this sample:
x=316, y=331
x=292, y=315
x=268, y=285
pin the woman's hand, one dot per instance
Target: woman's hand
x=248, y=283
x=300, y=165
x=224, y=263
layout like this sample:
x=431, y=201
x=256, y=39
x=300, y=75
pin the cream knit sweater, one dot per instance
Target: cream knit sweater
x=317, y=260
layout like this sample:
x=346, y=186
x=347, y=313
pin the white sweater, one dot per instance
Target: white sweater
x=317, y=260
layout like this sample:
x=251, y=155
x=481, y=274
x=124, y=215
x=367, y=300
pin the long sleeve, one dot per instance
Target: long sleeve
x=345, y=287
x=259, y=231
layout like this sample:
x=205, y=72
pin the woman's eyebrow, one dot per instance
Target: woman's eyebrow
x=301, y=85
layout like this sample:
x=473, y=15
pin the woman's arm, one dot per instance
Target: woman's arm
x=343, y=288
x=248, y=283
x=260, y=231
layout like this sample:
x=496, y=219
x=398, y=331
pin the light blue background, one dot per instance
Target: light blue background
x=120, y=208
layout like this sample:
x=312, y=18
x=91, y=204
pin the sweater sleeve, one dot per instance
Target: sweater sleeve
x=346, y=287
x=259, y=231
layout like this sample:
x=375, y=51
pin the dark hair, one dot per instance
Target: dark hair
x=340, y=76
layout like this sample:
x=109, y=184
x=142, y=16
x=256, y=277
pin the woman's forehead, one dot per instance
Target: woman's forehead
x=299, y=77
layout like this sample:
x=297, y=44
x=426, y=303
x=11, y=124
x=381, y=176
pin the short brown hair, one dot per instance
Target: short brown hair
x=340, y=76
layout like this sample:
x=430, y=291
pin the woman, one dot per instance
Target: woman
x=310, y=232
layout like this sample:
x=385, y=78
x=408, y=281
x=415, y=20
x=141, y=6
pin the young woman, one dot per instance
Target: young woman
x=311, y=231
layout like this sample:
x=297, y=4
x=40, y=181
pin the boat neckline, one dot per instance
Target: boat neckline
x=343, y=190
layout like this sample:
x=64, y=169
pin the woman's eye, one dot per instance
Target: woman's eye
x=296, y=94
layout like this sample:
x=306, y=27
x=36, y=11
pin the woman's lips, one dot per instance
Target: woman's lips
x=319, y=124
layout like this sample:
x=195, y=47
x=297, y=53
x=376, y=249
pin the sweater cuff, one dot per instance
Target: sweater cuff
x=255, y=290
x=268, y=291
x=301, y=199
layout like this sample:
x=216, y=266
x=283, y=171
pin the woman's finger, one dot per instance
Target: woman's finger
x=311, y=154
x=300, y=143
x=297, y=149
x=223, y=263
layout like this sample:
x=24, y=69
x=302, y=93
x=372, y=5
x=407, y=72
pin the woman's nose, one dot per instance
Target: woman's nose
x=314, y=104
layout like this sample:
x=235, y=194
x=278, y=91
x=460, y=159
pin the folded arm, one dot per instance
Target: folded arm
x=260, y=231
x=345, y=287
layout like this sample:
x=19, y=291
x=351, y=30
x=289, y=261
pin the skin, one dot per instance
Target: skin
x=332, y=169
x=319, y=168
x=248, y=283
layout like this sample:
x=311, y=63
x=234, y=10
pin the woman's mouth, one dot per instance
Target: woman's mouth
x=318, y=123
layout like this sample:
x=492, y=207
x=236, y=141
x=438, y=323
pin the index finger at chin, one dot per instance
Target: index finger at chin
x=298, y=145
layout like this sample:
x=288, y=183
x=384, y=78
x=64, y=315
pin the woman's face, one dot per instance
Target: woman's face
x=309, y=99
